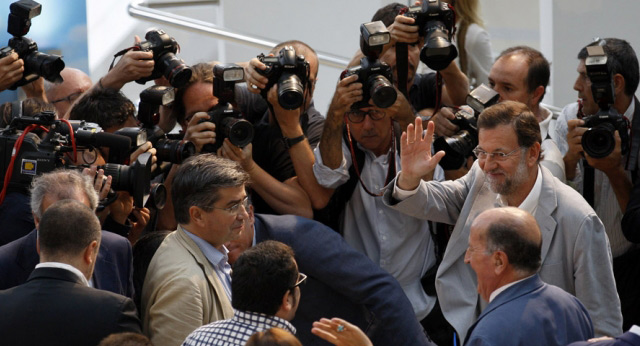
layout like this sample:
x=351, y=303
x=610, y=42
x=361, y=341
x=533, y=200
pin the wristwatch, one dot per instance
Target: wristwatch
x=289, y=142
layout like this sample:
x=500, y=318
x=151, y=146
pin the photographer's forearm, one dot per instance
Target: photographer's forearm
x=456, y=85
x=284, y=197
x=331, y=140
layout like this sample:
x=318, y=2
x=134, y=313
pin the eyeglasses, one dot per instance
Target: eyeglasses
x=302, y=278
x=235, y=209
x=496, y=156
x=69, y=98
x=357, y=116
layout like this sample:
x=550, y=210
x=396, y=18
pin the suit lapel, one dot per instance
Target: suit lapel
x=208, y=270
x=547, y=204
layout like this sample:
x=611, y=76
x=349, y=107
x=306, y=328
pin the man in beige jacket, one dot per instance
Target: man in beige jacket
x=188, y=281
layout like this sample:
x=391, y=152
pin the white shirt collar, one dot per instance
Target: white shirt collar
x=499, y=290
x=635, y=330
x=544, y=124
x=65, y=266
x=530, y=204
x=630, y=110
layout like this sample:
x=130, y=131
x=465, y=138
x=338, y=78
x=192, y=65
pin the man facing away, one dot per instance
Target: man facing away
x=504, y=252
x=56, y=301
x=266, y=293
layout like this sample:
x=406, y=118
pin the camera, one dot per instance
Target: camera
x=290, y=72
x=135, y=179
x=599, y=140
x=36, y=64
x=436, y=22
x=376, y=76
x=229, y=121
x=460, y=146
x=167, y=150
x=166, y=63
x=35, y=156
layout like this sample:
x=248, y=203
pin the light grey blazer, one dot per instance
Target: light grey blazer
x=575, y=249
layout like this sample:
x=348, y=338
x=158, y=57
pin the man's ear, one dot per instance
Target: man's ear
x=36, y=220
x=37, y=244
x=196, y=215
x=90, y=252
x=500, y=262
x=538, y=93
x=619, y=84
x=287, y=301
x=533, y=154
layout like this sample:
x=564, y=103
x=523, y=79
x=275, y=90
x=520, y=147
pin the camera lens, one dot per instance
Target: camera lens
x=45, y=65
x=437, y=52
x=599, y=141
x=157, y=196
x=458, y=147
x=290, y=91
x=382, y=92
x=239, y=131
x=121, y=176
x=173, y=150
x=175, y=70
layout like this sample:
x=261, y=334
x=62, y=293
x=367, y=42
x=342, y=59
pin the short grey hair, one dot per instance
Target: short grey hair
x=61, y=184
x=198, y=181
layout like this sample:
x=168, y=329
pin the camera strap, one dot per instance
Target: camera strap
x=391, y=159
x=402, y=67
x=634, y=141
x=121, y=53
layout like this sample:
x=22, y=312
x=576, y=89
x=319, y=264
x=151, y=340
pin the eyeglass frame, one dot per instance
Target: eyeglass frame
x=302, y=278
x=347, y=114
x=75, y=96
x=235, y=209
x=496, y=155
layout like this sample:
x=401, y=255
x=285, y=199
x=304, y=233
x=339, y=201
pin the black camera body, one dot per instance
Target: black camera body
x=376, y=76
x=291, y=72
x=166, y=63
x=599, y=140
x=229, y=121
x=36, y=64
x=436, y=22
x=460, y=146
x=167, y=150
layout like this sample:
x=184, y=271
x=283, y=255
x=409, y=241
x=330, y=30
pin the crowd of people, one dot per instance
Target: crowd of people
x=343, y=228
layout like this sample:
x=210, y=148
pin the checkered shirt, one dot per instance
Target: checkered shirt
x=237, y=330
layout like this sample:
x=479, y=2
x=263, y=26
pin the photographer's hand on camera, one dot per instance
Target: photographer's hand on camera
x=35, y=89
x=255, y=81
x=288, y=120
x=200, y=133
x=147, y=147
x=442, y=121
x=139, y=218
x=100, y=184
x=11, y=69
x=120, y=209
x=415, y=155
x=401, y=111
x=244, y=156
x=403, y=30
x=132, y=66
x=575, y=151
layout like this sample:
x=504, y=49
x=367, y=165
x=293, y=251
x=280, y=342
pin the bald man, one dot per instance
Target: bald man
x=64, y=94
x=504, y=252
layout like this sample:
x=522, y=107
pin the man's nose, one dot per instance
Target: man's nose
x=367, y=123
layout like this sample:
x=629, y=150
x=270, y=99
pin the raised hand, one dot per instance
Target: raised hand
x=415, y=155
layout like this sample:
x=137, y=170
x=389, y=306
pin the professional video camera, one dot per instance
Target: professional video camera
x=36, y=64
x=460, y=146
x=34, y=156
x=376, y=76
x=229, y=121
x=436, y=21
x=599, y=141
x=166, y=63
x=291, y=72
x=168, y=150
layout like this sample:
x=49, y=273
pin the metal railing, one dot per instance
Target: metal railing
x=137, y=9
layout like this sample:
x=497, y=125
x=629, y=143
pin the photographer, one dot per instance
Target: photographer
x=421, y=87
x=611, y=186
x=112, y=111
x=11, y=68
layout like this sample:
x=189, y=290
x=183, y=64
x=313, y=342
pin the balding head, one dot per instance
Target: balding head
x=514, y=232
x=62, y=95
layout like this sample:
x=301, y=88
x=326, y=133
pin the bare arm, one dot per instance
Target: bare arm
x=456, y=85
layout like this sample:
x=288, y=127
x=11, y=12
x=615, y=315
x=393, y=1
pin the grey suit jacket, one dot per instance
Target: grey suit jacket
x=181, y=292
x=575, y=250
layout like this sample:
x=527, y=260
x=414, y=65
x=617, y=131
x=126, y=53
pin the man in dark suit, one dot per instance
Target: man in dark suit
x=113, y=268
x=504, y=252
x=342, y=282
x=56, y=301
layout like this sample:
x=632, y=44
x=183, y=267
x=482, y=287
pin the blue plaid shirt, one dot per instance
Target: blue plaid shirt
x=237, y=330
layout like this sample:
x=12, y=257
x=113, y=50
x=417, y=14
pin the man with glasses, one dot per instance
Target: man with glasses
x=575, y=249
x=64, y=94
x=357, y=156
x=266, y=293
x=188, y=282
